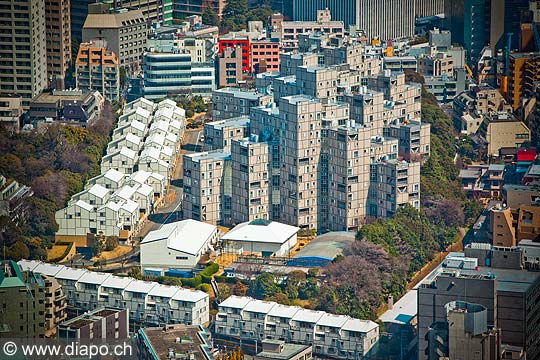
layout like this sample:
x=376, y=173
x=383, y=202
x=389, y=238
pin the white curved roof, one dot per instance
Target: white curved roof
x=267, y=232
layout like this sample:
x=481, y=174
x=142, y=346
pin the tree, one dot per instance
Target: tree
x=264, y=286
x=18, y=251
x=239, y=289
x=210, y=17
x=295, y=280
x=224, y=291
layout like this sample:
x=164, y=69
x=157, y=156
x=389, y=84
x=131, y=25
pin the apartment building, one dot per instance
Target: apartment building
x=239, y=43
x=55, y=305
x=75, y=107
x=102, y=323
x=207, y=186
x=231, y=102
x=11, y=111
x=290, y=30
x=230, y=71
x=23, y=57
x=58, y=37
x=400, y=63
x=220, y=134
x=338, y=336
x=148, y=302
x=97, y=69
x=125, y=32
x=523, y=73
x=503, y=130
x=250, y=197
x=23, y=302
x=133, y=180
x=441, y=63
x=397, y=184
x=158, y=12
x=264, y=55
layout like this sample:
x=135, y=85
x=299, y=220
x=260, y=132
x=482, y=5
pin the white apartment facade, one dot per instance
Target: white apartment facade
x=338, y=336
x=148, y=302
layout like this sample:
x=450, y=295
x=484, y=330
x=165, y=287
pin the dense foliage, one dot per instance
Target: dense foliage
x=55, y=162
x=236, y=15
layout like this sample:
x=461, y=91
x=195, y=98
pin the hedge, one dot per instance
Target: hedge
x=225, y=279
x=204, y=287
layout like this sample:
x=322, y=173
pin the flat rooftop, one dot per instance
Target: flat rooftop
x=232, y=122
x=210, y=155
x=183, y=340
x=289, y=350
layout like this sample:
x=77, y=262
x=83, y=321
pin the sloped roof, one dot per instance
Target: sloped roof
x=262, y=231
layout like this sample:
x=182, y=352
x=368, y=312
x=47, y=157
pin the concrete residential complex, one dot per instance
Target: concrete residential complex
x=58, y=35
x=135, y=173
x=339, y=336
x=292, y=168
x=231, y=102
x=177, y=245
x=23, y=58
x=148, y=302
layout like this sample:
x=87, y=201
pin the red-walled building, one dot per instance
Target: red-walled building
x=233, y=42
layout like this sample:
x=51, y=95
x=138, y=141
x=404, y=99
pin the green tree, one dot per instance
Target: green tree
x=264, y=286
x=210, y=17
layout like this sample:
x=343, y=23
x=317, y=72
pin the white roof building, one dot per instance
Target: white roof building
x=116, y=201
x=89, y=290
x=294, y=324
x=262, y=237
x=177, y=245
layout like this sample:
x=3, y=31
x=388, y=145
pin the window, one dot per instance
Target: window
x=181, y=258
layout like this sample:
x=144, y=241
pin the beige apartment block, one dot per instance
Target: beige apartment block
x=350, y=150
x=11, y=111
x=23, y=57
x=501, y=231
x=230, y=67
x=58, y=35
x=353, y=54
x=231, y=102
x=397, y=184
x=291, y=29
x=292, y=60
x=220, y=134
x=300, y=146
x=206, y=189
x=124, y=31
x=395, y=89
x=503, y=130
x=97, y=68
x=250, y=180
x=437, y=65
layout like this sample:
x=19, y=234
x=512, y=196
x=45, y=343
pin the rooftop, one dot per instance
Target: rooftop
x=327, y=246
x=260, y=231
x=233, y=122
x=287, y=352
x=187, y=236
x=183, y=340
